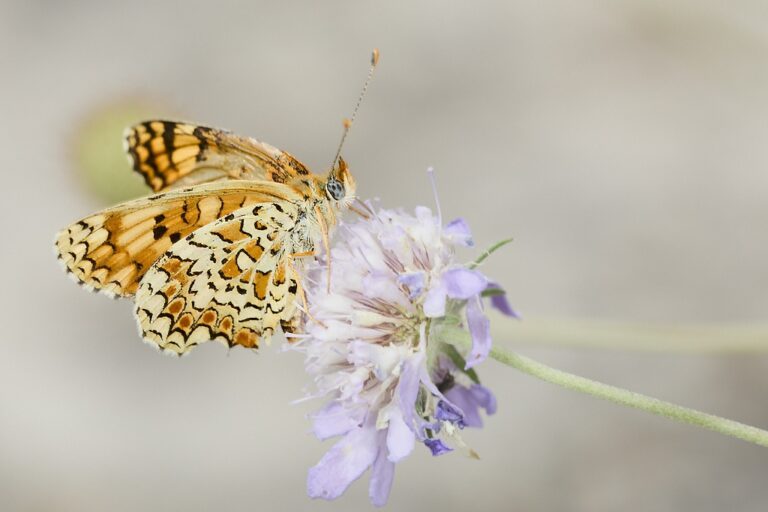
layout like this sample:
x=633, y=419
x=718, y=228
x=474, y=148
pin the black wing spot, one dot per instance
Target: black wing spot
x=168, y=139
x=201, y=132
x=159, y=231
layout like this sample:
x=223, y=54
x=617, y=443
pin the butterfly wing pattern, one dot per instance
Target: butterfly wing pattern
x=210, y=257
x=230, y=281
x=171, y=154
x=111, y=250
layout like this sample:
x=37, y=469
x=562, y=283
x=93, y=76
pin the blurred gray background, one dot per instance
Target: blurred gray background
x=622, y=144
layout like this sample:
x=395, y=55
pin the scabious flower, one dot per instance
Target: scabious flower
x=374, y=348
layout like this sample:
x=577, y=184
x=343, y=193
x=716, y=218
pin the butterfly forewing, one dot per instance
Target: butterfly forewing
x=171, y=154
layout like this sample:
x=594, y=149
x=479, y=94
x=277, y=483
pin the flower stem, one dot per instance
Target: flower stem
x=614, y=394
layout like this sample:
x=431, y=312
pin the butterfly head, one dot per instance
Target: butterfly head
x=340, y=185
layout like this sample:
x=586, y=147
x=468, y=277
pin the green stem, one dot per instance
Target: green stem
x=614, y=394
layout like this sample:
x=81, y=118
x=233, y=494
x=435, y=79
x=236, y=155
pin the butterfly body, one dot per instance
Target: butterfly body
x=211, y=255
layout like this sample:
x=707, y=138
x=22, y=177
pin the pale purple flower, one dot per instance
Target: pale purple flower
x=373, y=347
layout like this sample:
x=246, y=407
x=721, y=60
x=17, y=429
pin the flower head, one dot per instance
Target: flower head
x=374, y=348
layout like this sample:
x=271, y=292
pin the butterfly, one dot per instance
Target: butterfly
x=212, y=254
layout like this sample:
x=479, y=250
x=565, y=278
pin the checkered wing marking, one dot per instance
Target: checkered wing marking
x=172, y=154
x=229, y=282
x=111, y=250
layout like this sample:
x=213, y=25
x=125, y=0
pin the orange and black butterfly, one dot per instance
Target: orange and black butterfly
x=209, y=256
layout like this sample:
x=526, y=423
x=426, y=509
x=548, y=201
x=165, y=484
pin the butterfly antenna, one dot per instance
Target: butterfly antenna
x=348, y=122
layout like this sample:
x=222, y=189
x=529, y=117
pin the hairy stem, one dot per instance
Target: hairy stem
x=614, y=394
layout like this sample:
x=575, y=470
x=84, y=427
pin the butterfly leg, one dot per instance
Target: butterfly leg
x=359, y=211
x=326, y=245
x=299, y=287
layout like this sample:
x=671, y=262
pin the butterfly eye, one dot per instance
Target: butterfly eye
x=335, y=189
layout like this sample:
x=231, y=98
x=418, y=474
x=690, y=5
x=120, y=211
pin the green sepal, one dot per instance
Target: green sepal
x=459, y=361
x=495, y=247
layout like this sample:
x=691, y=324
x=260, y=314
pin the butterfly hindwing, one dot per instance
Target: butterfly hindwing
x=172, y=154
x=110, y=251
x=230, y=281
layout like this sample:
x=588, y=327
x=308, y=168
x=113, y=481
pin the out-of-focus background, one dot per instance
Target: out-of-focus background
x=623, y=144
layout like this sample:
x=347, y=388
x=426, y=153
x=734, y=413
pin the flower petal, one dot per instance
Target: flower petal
x=424, y=215
x=408, y=390
x=462, y=283
x=446, y=411
x=499, y=300
x=343, y=463
x=382, y=476
x=334, y=420
x=437, y=447
x=470, y=400
x=384, y=360
x=480, y=329
x=458, y=232
x=434, y=302
x=415, y=282
x=383, y=287
x=400, y=438
x=484, y=398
